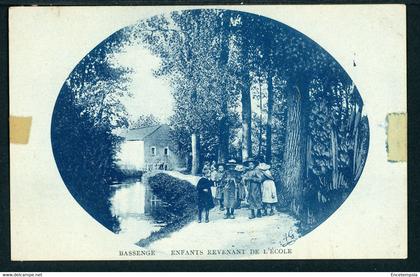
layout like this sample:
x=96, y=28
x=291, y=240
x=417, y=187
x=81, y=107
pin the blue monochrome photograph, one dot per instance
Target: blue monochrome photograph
x=209, y=132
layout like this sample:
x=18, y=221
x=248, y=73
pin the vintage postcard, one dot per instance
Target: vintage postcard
x=208, y=132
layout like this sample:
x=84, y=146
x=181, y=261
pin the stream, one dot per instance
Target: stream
x=138, y=211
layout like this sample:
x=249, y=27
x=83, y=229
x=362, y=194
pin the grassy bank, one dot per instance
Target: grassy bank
x=179, y=198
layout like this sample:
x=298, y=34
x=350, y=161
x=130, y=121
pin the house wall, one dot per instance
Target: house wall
x=131, y=155
x=160, y=139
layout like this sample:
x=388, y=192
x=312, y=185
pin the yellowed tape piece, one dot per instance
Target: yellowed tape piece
x=397, y=137
x=20, y=128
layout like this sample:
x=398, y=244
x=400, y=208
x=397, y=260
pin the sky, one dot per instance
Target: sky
x=151, y=95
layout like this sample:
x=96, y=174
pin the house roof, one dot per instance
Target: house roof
x=140, y=133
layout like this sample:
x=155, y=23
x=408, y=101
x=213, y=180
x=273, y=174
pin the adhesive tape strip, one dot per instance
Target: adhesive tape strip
x=20, y=129
x=397, y=137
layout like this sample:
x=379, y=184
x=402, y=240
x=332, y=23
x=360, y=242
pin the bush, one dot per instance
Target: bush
x=179, y=196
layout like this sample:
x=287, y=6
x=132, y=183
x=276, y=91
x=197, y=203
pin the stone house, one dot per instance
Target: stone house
x=149, y=148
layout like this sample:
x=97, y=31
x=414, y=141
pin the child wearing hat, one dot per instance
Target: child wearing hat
x=204, y=196
x=241, y=190
x=213, y=170
x=218, y=182
x=206, y=168
x=230, y=189
x=213, y=174
x=253, y=179
x=268, y=189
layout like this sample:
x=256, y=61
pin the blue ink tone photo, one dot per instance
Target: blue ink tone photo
x=216, y=126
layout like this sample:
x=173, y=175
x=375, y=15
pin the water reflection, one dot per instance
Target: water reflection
x=138, y=211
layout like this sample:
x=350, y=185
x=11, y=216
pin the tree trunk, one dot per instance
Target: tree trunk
x=260, y=131
x=223, y=151
x=294, y=166
x=334, y=150
x=195, y=146
x=246, y=121
x=270, y=101
x=358, y=150
x=223, y=148
x=246, y=145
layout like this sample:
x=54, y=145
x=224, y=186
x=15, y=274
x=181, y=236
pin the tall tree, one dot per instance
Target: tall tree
x=269, y=64
x=242, y=29
x=195, y=146
x=199, y=75
x=296, y=138
x=246, y=118
x=270, y=103
x=88, y=111
x=298, y=63
x=224, y=40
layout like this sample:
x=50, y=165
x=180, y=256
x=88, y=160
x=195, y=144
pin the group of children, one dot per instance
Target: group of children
x=232, y=184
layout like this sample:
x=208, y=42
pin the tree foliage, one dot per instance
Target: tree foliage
x=87, y=112
x=271, y=92
x=145, y=121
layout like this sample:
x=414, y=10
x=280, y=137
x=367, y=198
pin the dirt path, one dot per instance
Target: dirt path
x=190, y=178
x=239, y=233
x=275, y=231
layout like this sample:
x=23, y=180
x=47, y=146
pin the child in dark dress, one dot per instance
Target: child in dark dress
x=204, y=197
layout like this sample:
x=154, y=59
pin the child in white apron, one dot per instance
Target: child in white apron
x=268, y=190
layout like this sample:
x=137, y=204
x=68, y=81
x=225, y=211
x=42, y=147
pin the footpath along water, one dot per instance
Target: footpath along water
x=140, y=213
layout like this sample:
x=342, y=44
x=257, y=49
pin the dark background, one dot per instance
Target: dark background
x=413, y=90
